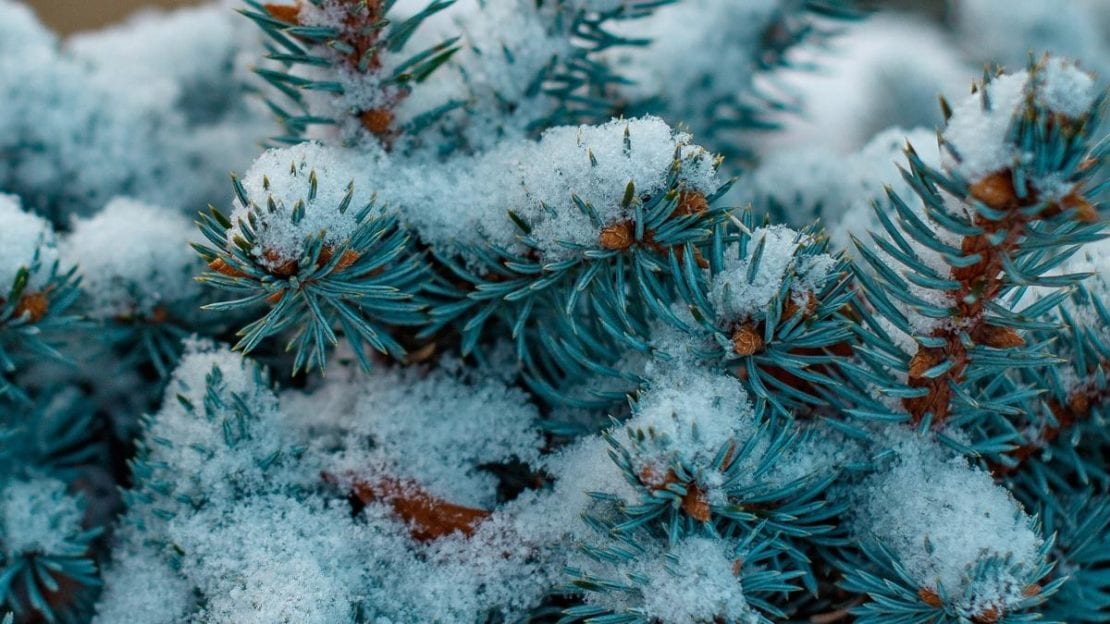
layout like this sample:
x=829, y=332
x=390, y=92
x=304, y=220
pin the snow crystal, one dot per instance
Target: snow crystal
x=141, y=586
x=734, y=297
x=273, y=559
x=133, y=257
x=22, y=236
x=695, y=582
x=438, y=431
x=980, y=135
x=1064, y=88
x=471, y=197
x=689, y=415
x=283, y=177
x=941, y=517
x=201, y=442
x=38, y=516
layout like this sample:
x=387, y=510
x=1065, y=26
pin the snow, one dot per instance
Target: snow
x=23, y=236
x=1064, y=88
x=942, y=517
x=213, y=452
x=691, y=583
x=283, y=176
x=437, y=431
x=687, y=417
x=467, y=200
x=141, y=585
x=79, y=126
x=694, y=583
x=133, y=257
x=733, y=297
x=38, y=517
x=274, y=559
x=980, y=135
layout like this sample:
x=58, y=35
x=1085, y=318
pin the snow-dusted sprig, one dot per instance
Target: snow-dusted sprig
x=324, y=258
x=1081, y=522
x=46, y=567
x=942, y=542
x=206, y=445
x=1011, y=203
x=896, y=597
x=341, y=65
x=702, y=459
x=137, y=272
x=35, y=292
x=769, y=308
x=1068, y=418
x=590, y=255
x=633, y=580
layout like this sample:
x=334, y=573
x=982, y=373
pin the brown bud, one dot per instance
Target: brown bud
x=423, y=354
x=1031, y=590
x=929, y=597
x=923, y=360
x=275, y=297
x=1000, y=337
x=278, y=265
x=746, y=340
x=691, y=202
x=218, y=265
x=1085, y=211
x=348, y=258
x=651, y=477
x=617, y=236
x=695, y=504
x=34, y=305
x=288, y=13
x=376, y=120
x=1079, y=403
x=989, y=616
x=995, y=190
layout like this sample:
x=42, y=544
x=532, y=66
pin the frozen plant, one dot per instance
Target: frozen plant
x=520, y=311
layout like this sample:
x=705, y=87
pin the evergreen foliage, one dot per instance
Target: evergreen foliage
x=598, y=348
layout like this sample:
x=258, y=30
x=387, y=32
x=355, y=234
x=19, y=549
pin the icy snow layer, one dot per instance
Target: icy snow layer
x=283, y=178
x=691, y=583
x=82, y=124
x=133, y=257
x=734, y=297
x=431, y=429
x=688, y=416
x=37, y=516
x=202, y=442
x=942, y=517
x=22, y=236
x=979, y=130
x=468, y=200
